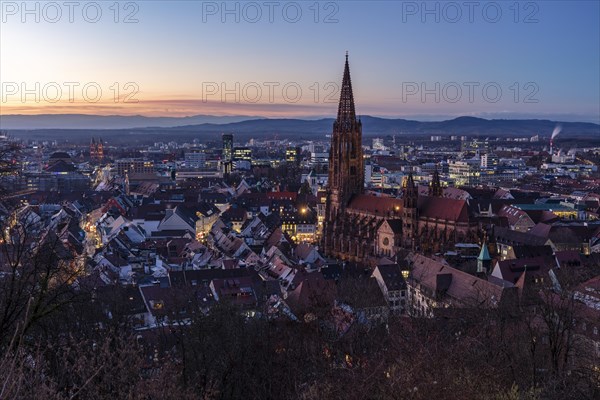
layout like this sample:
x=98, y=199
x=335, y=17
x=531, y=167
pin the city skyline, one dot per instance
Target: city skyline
x=433, y=61
x=191, y=209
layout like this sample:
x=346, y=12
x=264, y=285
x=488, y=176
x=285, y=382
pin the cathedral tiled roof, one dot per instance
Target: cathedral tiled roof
x=375, y=205
x=443, y=209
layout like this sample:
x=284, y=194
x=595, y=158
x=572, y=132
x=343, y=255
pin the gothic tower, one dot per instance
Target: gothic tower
x=409, y=212
x=93, y=149
x=346, y=164
x=96, y=149
x=100, y=150
x=435, y=189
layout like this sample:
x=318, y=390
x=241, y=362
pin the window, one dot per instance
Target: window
x=157, y=305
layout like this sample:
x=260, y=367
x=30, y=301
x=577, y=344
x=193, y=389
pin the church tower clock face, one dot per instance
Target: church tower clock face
x=386, y=241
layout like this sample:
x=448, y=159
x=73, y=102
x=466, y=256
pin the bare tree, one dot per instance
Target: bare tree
x=9, y=156
x=36, y=273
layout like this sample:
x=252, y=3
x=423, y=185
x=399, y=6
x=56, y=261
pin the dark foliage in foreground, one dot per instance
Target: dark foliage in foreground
x=224, y=355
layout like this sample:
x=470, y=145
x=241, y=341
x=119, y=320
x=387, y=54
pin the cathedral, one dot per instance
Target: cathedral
x=96, y=150
x=361, y=227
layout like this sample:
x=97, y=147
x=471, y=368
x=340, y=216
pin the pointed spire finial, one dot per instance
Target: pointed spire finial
x=346, y=113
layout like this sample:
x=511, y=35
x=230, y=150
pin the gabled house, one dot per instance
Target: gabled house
x=518, y=220
x=537, y=269
x=256, y=230
x=238, y=291
x=434, y=286
x=207, y=215
x=309, y=293
x=148, y=216
x=117, y=264
x=235, y=217
x=179, y=219
x=308, y=254
x=364, y=300
x=506, y=239
x=393, y=286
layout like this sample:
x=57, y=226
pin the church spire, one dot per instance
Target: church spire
x=436, y=187
x=484, y=260
x=411, y=192
x=346, y=112
x=346, y=164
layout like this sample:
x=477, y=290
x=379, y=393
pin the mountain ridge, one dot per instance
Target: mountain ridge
x=313, y=128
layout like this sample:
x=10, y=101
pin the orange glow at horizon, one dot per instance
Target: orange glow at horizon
x=167, y=108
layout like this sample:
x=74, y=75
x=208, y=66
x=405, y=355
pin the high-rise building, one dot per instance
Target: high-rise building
x=227, y=147
x=227, y=154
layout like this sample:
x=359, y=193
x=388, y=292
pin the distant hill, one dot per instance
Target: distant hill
x=375, y=126
x=288, y=128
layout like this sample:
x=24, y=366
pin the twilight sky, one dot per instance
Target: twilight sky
x=422, y=60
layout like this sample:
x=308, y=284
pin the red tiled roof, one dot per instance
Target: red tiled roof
x=568, y=258
x=230, y=264
x=443, y=208
x=448, y=192
x=303, y=250
x=375, y=205
x=459, y=286
x=312, y=289
x=513, y=214
x=239, y=291
x=512, y=269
